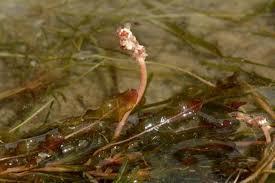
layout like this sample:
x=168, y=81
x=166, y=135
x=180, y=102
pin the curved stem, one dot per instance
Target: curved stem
x=266, y=132
x=129, y=42
x=143, y=80
x=141, y=90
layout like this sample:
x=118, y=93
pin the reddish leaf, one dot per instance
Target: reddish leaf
x=195, y=104
x=52, y=142
x=234, y=105
x=119, y=105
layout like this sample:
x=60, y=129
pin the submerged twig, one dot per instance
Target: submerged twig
x=265, y=162
x=60, y=168
x=238, y=176
x=230, y=176
x=260, y=100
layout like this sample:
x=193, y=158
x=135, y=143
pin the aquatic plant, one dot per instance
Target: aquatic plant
x=129, y=42
x=208, y=114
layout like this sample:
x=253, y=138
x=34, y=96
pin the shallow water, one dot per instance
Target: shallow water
x=59, y=59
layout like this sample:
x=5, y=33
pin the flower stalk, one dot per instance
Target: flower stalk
x=129, y=42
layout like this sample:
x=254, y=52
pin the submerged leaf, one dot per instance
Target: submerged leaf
x=119, y=104
x=191, y=39
x=183, y=34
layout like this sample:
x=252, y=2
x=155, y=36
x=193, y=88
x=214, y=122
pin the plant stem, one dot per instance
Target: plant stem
x=128, y=42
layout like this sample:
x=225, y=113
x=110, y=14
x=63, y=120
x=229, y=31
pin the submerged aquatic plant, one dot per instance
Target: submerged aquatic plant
x=192, y=127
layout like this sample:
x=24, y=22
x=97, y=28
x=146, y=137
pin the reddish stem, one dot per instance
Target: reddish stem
x=129, y=42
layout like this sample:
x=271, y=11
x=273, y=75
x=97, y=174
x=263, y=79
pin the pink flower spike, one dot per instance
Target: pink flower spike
x=129, y=42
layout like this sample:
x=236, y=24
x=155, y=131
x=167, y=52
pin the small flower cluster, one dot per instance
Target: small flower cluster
x=256, y=121
x=129, y=42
